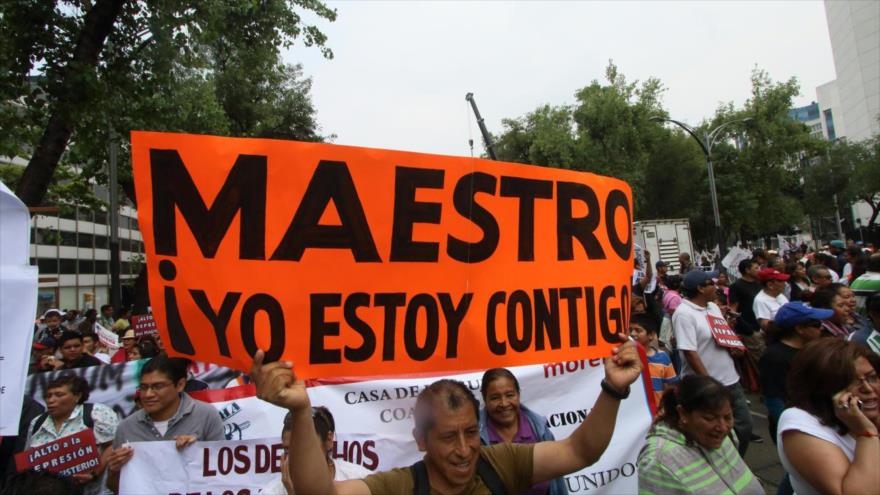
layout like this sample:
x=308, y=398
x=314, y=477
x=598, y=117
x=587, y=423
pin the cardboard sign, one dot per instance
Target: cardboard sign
x=235, y=467
x=722, y=333
x=68, y=455
x=143, y=325
x=355, y=261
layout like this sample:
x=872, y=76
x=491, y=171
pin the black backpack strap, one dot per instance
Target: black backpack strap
x=485, y=471
x=420, y=479
x=490, y=477
x=87, y=415
x=39, y=422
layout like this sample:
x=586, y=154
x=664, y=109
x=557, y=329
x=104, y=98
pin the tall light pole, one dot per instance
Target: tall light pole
x=706, y=142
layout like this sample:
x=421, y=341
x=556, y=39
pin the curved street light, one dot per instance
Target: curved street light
x=706, y=142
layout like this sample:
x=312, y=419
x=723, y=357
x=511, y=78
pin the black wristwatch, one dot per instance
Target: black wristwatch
x=613, y=392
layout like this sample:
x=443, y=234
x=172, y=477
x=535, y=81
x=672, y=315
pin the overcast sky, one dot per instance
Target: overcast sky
x=401, y=69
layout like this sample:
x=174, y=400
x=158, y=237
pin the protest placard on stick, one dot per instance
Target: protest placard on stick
x=354, y=261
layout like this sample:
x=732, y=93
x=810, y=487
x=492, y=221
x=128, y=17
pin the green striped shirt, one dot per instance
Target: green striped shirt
x=669, y=465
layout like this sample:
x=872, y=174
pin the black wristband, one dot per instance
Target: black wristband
x=611, y=391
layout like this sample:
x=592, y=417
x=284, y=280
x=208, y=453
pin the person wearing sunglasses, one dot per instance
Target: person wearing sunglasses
x=794, y=326
x=168, y=413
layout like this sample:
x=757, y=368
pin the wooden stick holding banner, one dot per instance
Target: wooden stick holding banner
x=356, y=261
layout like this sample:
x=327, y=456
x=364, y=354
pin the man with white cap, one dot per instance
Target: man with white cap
x=128, y=341
x=702, y=354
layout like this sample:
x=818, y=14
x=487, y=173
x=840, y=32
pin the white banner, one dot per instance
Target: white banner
x=374, y=418
x=18, y=305
x=108, y=339
x=114, y=385
x=234, y=467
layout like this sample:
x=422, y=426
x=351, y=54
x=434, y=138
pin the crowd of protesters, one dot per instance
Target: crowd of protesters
x=808, y=323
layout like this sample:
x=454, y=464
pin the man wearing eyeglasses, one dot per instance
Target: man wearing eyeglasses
x=167, y=413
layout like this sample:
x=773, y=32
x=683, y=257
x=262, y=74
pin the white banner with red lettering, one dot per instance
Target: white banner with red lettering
x=374, y=418
x=236, y=467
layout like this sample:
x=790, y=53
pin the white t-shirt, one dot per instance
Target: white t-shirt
x=766, y=306
x=344, y=471
x=162, y=426
x=800, y=420
x=692, y=333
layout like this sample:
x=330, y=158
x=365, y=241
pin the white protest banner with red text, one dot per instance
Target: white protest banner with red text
x=723, y=334
x=363, y=262
x=374, y=417
x=236, y=467
x=68, y=455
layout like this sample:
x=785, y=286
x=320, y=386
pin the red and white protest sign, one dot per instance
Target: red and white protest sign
x=724, y=336
x=144, y=325
x=68, y=455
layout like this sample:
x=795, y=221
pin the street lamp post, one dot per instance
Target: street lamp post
x=706, y=142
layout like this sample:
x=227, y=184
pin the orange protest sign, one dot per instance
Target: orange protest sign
x=355, y=261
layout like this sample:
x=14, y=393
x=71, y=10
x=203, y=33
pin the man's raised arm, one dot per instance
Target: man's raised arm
x=587, y=443
x=276, y=383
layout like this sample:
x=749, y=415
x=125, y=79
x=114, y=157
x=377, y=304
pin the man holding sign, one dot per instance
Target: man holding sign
x=447, y=430
x=706, y=343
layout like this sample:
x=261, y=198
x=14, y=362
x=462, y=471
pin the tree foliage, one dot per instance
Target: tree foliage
x=612, y=129
x=74, y=75
x=849, y=170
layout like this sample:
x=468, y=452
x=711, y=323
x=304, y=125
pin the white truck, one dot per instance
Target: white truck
x=665, y=240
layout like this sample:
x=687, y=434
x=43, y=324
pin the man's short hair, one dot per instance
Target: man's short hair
x=814, y=270
x=105, y=306
x=174, y=368
x=446, y=393
x=744, y=265
x=645, y=321
x=68, y=335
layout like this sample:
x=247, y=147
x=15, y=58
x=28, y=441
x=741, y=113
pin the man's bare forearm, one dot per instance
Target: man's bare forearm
x=308, y=463
x=592, y=437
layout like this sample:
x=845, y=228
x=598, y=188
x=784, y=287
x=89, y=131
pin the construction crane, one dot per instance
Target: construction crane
x=487, y=139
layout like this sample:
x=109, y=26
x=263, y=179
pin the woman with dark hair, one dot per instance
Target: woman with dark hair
x=67, y=413
x=325, y=427
x=842, y=300
x=828, y=439
x=798, y=281
x=144, y=349
x=690, y=448
x=505, y=420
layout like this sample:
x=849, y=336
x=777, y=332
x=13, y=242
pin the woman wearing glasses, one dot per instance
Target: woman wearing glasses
x=828, y=439
x=168, y=413
x=66, y=414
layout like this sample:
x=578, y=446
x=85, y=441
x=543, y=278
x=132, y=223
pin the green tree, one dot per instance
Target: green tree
x=72, y=71
x=758, y=164
x=607, y=131
x=849, y=170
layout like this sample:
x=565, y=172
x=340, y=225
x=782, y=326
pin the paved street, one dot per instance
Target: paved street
x=762, y=457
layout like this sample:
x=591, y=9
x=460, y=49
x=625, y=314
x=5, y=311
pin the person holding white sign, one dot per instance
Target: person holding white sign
x=168, y=413
x=447, y=430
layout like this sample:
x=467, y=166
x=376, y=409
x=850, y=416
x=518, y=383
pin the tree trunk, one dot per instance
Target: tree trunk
x=97, y=26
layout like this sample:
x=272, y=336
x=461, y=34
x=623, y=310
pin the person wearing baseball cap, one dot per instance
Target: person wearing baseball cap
x=702, y=354
x=795, y=325
x=771, y=298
